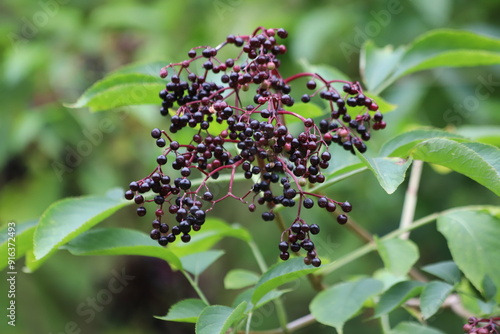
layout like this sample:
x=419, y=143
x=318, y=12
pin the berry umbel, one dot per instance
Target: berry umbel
x=237, y=112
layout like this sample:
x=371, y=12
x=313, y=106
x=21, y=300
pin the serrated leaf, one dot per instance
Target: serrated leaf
x=398, y=255
x=414, y=328
x=396, y=296
x=67, y=218
x=23, y=241
x=479, y=162
x=121, y=89
x=240, y=278
x=438, y=48
x=401, y=145
x=472, y=237
x=197, y=263
x=433, y=296
x=280, y=274
x=390, y=172
x=339, y=303
x=187, y=310
x=120, y=241
x=218, y=319
x=446, y=270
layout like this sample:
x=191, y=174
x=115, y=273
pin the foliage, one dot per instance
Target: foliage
x=468, y=282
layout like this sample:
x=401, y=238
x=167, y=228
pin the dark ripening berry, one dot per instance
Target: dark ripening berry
x=184, y=184
x=284, y=256
x=156, y=133
x=186, y=238
x=342, y=219
x=346, y=207
x=314, y=229
x=129, y=194
x=141, y=211
x=316, y=262
x=283, y=246
x=308, y=203
x=322, y=202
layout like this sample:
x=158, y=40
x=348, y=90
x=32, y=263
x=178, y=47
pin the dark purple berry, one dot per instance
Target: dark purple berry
x=342, y=219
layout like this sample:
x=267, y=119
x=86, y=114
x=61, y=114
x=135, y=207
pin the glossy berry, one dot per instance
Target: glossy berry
x=342, y=219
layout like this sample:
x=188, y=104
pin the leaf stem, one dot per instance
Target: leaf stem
x=195, y=287
x=410, y=202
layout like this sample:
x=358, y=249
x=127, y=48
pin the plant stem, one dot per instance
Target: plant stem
x=258, y=256
x=410, y=202
x=292, y=326
x=384, y=322
x=195, y=287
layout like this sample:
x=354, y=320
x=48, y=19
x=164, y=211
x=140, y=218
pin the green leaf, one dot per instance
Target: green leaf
x=438, y=48
x=446, y=270
x=122, y=89
x=341, y=302
x=247, y=296
x=472, y=237
x=22, y=239
x=280, y=274
x=478, y=161
x=198, y=262
x=433, y=296
x=377, y=64
x=487, y=134
x=398, y=255
x=120, y=241
x=489, y=288
x=397, y=295
x=240, y=278
x=390, y=172
x=67, y=218
x=218, y=319
x=400, y=146
x=187, y=310
x=212, y=232
x=414, y=328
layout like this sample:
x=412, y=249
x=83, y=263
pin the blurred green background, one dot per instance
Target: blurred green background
x=51, y=51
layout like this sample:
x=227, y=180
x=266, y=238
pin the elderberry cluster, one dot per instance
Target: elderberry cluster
x=236, y=112
x=482, y=326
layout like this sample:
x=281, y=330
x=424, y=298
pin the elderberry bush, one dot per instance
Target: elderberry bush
x=207, y=95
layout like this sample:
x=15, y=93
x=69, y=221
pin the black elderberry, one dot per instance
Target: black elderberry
x=283, y=246
x=184, y=184
x=314, y=229
x=155, y=234
x=346, y=207
x=185, y=238
x=156, y=133
x=342, y=219
x=129, y=194
x=284, y=256
x=316, y=262
x=163, y=241
x=308, y=203
x=322, y=202
x=161, y=142
x=141, y=211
